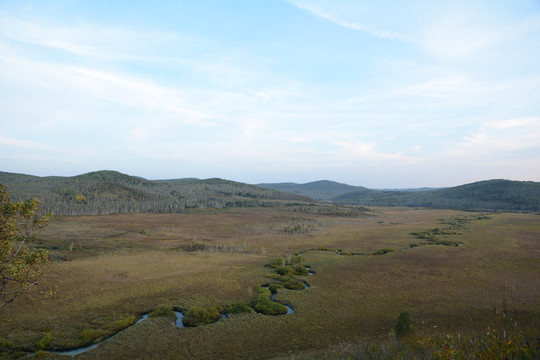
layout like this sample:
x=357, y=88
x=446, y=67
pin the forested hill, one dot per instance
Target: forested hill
x=323, y=190
x=482, y=195
x=108, y=192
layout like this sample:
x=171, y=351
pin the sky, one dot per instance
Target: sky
x=382, y=94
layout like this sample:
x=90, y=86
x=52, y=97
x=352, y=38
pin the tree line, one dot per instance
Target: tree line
x=110, y=192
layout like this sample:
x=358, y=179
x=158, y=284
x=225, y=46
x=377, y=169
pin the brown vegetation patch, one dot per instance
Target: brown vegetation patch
x=120, y=270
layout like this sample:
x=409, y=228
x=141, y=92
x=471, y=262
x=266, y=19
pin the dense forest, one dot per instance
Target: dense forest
x=322, y=190
x=109, y=192
x=483, y=195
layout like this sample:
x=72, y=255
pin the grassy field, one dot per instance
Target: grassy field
x=111, y=269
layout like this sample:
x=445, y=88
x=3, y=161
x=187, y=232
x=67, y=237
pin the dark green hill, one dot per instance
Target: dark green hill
x=482, y=195
x=323, y=190
x=107, y=192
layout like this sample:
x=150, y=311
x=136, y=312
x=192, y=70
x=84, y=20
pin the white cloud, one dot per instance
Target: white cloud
x=498, y=137
x=524, y=123
x=108, y=87
x=92, y=41
x=31, y=149
x=447, y=30
x=444, y=86
x=140, y=93
x=322, y=13
x=27, y=144
x=469, y=30
x=368, y=152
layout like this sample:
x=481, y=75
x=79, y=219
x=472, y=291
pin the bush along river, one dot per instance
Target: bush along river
x=282, y=277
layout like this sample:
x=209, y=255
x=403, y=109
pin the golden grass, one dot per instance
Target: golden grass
x=94, y=288
x=138, y=263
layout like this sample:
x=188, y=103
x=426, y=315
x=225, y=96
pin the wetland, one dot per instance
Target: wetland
x=342, y=280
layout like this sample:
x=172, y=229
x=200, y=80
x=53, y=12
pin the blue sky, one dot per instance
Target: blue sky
x=379, y=94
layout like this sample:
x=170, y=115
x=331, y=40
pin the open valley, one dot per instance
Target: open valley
x=452, y=271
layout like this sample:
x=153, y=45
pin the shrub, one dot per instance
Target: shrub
x=295, y=260
x=293, y=284
x=38, y=354
x=45, y=342
x=274, y=287
x=277, y=262
x=268, y=307
x=199, y=316
x=282, y=279
x=447, y=243
x=426, y=235
x=288, y=260
x=264, y=293
x=382, y=251
x=516, y=343
x=93, y=335
x=236, y=308
x=262, y=304
x=403, y=325
x=300, y=270
x=284, y=270
x=162, y=310
x=120, y=324
x=291, y=270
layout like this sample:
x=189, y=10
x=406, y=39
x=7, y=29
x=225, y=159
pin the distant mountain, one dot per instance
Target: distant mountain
x=106, y=192
x=323, y=190
x=411, y=189
x=482, y=195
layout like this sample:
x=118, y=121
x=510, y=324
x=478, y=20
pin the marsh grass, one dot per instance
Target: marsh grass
x=92, y=290
x=114, y=268
x=293, y=284
x=283, y=276
x=163, y=310
x=285, y=269
x=236, y=308
x=107, y=329
x=197, y=316
x=262, y=303
x=45, y=341
x=488, y=345
x=382, y=251
x=433, y=236
x=275, y=287
x=506, y=338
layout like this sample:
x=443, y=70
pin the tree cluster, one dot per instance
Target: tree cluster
x=21, y=267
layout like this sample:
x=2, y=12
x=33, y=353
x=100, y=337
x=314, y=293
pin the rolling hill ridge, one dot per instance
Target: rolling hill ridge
x=496, y=194
x=108, y=192
x=322, y=190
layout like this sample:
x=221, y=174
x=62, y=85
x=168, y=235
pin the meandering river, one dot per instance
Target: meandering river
x=177, y=322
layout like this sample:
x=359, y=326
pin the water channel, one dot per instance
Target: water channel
x=177, y=322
